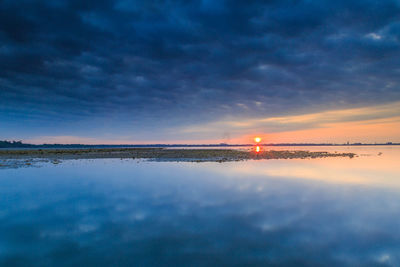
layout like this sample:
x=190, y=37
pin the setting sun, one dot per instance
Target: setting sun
x=257, y=139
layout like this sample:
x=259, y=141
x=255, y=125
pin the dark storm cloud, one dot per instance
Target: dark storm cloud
x=194, y=59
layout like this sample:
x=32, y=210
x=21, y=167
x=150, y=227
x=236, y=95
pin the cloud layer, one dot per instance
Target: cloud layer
x=73, y=68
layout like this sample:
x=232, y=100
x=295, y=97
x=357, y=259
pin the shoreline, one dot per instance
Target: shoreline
x=9, y=158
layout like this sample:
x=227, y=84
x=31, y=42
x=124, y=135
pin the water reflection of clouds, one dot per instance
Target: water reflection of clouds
x=191, y=214
x=366, y=170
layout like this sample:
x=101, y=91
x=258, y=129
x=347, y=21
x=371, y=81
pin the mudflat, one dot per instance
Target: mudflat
x=163, y=154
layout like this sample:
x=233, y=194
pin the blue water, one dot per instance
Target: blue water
x=110, y=212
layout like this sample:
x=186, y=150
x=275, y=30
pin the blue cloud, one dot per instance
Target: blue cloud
x=157, y=61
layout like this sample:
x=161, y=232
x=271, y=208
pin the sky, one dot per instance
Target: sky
x=206, y=71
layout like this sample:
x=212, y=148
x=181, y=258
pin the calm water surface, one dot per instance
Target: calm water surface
x=108, y=212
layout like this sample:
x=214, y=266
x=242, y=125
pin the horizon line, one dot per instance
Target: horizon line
x=20, y=143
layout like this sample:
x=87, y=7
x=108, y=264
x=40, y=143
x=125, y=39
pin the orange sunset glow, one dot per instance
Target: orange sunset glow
x=367, y=124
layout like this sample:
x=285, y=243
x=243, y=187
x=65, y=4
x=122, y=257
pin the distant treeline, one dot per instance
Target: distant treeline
x=8, y=144
x=19, y=144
